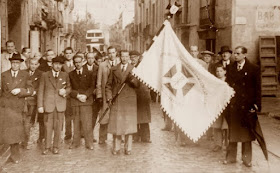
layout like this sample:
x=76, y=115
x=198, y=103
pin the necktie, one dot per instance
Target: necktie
x=31, y=73
x=79, y=73
x=239, y=67
x=123, y=68
x=56, y=75
x=14, y=74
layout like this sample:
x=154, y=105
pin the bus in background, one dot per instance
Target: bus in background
x=95, y=40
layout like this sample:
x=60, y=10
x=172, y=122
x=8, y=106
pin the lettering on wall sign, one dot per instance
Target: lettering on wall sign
x=267, y=19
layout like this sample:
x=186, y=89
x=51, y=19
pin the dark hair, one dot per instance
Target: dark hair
x=23, y=50
x=10, y=41
x=243, y=49
x=124, y=51
x=68, y=48
x=111, y=47
x=219, y=65
x=77, y=56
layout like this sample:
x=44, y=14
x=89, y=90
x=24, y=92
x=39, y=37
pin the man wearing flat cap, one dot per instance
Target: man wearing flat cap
x=15, y=86
x=207, y=57
x=53, y=88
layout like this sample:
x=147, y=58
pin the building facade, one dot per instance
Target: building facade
x=38, y=24
x=210, y=24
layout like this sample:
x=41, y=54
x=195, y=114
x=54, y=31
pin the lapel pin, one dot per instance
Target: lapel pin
x=35, y=78
x=245, y=73
x=60, y=79
x=63, y=83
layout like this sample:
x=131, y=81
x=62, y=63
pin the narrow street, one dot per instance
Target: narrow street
x=162, y=155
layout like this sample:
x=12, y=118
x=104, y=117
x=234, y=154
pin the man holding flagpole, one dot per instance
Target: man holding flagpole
x=123, y=114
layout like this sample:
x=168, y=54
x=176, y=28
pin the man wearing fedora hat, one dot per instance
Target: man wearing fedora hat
x=15, y=86
x=53, y=88
x=226, y=56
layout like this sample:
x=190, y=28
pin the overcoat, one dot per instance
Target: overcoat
x=143, y=104
x=102, y=78
x=123, y=114
x=12, y=106
x=247, y=86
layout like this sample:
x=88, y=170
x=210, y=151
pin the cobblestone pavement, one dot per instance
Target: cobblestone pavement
x=162, y=155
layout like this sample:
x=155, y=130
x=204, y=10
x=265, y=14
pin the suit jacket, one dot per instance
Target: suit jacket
x=12, y=106
x=35, y=79
x=82, y=84
x=94, y=76
x=102, y=78
x=48, y=92
x=247, y=86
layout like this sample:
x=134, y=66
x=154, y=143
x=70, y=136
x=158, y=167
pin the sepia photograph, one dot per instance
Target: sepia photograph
x=140, y=86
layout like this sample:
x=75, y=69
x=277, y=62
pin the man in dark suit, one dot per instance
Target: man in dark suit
x=31, y=102
x=67, y=67
x=15, y=86
x=53, y=88
x=244, y=78
x=93, y=61
x=226, y=56
x=82, y=83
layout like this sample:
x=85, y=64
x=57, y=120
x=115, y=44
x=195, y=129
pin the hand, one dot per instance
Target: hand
x=34, y=93
x=83, y=98
x=109, y=101
x=40, y=110
x=15, y=91
x=62, y=92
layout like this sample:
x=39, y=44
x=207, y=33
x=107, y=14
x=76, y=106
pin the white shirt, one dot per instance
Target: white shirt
x=69, y=63
x=89, y=67
x=225, y=63
x=31, y=73
x=55, y=74
x=112, y=63
x=124, y=66
x=240, y=65
x=81, y=70
x=14, y=73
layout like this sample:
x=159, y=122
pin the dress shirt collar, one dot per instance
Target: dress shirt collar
x=14, y=73
x=54, y=73
x=241, y=64
x=81, y=70
x=89, y=67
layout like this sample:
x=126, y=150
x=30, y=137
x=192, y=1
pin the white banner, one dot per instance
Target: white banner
x=190, y=95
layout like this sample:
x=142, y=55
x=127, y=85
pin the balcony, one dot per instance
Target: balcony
x=207, y=14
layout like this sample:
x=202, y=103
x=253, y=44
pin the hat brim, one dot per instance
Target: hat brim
x=21, y=60
x=230, y=51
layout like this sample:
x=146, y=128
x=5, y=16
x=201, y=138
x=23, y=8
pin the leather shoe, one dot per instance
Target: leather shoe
x=127, y=152
x=115, y=152
x=73, y=146
x=55, y=150
x=225, y=162
x=247, y=164
x=90, y=147
x=101, y=142
x=94, y=140
x=46, y=151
